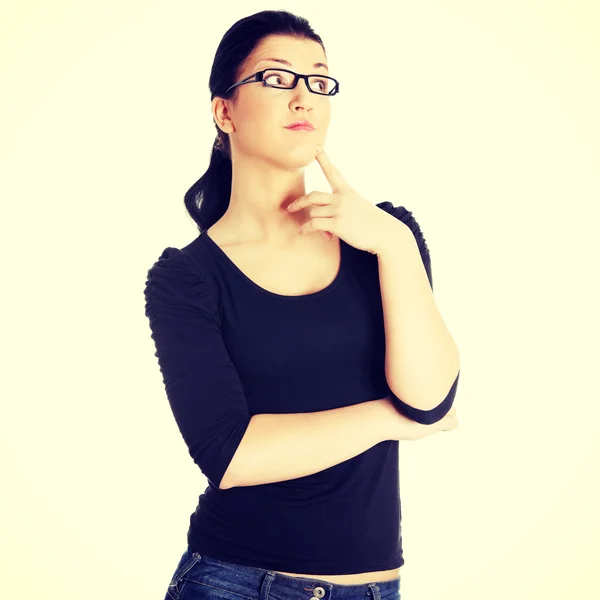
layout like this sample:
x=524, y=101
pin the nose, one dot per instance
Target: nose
x=302, y=92
x=305, y=82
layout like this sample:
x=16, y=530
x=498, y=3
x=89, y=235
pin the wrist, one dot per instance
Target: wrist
x=393, y=239
x=388, y=419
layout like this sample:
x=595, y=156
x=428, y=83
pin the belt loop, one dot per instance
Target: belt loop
x=266, y=585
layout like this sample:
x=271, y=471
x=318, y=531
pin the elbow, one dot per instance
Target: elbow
x=218, y=455
x=221, y=482
x=427, y=416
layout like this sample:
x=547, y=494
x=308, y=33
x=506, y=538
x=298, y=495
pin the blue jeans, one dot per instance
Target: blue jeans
x=203, y=577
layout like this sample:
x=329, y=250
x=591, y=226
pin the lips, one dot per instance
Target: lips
x=301, y=125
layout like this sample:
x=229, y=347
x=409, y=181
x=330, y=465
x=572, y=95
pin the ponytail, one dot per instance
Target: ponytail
x=207, y=200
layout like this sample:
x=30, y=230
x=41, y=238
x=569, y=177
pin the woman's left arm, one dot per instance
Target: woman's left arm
x=421, y=358
x=421, y=362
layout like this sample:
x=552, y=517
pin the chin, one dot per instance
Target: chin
x=299, y=158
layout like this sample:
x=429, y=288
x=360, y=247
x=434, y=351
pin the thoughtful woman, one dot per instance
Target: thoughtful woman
x=297, y=344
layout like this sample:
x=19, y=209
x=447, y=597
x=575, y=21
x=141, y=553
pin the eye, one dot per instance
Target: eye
x=321, y=82
x=276, y=78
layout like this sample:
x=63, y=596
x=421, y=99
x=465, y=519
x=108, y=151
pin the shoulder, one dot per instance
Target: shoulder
x=403, y=214
x=176, y=284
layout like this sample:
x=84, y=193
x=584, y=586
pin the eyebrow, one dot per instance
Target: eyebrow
x=289, y=64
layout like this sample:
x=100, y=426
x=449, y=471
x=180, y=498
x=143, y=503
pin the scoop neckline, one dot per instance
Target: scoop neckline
x=263, y=290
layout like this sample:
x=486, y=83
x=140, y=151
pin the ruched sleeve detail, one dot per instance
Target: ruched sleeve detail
x=201, y=382
x=404, y=215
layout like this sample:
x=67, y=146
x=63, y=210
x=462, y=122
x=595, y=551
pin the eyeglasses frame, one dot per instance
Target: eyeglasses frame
x=258, y=76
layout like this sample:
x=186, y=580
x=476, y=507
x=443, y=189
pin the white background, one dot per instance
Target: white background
x=479, y=117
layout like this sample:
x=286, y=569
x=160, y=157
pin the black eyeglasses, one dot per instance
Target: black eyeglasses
x=317, y=84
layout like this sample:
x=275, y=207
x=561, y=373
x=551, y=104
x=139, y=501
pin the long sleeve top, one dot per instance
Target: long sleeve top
x=229, y=349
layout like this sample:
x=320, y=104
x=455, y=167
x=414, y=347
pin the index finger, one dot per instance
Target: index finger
x=334, y=177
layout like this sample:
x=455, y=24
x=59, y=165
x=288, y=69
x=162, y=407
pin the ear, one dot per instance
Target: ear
x=221, y=115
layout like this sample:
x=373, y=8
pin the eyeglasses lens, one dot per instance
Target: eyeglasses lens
x=283, y=79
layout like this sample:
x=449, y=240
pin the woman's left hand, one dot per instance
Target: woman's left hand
x=344, y=212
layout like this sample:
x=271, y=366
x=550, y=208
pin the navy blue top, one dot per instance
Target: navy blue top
x=229, y=349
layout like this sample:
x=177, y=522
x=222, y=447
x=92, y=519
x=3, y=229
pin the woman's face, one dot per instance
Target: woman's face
x=256, y=121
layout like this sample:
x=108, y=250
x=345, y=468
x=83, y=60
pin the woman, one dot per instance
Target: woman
x=272, y=344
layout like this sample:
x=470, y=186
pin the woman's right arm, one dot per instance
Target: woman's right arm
x=277, y=447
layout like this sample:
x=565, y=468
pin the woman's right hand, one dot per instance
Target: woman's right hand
x=403, y=428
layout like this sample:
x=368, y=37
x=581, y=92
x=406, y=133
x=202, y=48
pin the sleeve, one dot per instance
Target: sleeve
x=404, y=215
x=426, y=417
x=201, y=382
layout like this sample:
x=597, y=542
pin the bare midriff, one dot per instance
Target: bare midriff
x=353, y=578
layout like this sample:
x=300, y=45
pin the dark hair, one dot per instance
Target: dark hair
x=208, y=199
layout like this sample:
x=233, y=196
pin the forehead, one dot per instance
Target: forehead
x=299, y=52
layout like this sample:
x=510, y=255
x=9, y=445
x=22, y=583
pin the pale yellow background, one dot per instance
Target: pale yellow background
x=480, y=117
